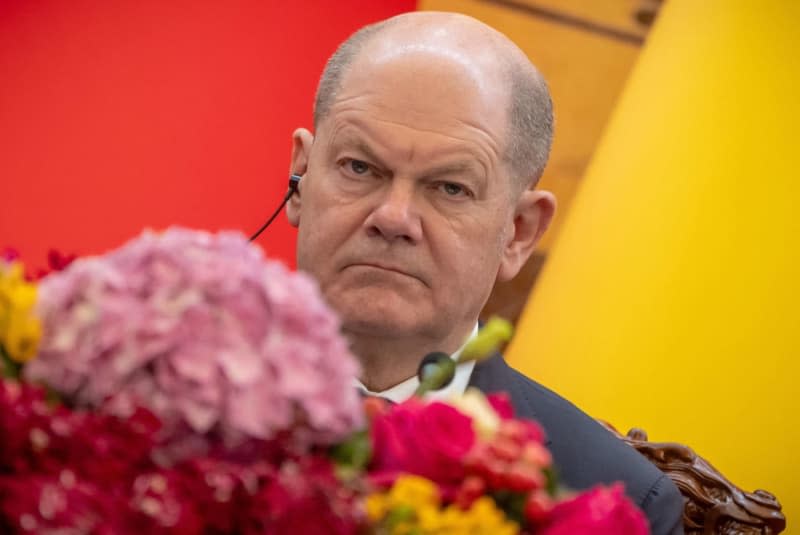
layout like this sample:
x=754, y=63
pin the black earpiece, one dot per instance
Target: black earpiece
x=294, y=183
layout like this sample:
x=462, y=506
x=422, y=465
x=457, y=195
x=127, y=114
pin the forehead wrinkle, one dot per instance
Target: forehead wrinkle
x=477, y=160
x=452, y=168
x=352, y=104
x=480, y=154
x=360, y=82
x=352, y=139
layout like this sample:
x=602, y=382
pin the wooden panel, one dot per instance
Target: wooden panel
x=615, y=13
x=586, y=73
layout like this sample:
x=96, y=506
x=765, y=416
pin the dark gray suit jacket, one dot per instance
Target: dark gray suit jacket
x=584, y=452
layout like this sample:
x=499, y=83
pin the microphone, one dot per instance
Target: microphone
x=435, y=372
x=294, y=181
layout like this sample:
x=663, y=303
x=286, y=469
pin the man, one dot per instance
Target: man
x=431, y=131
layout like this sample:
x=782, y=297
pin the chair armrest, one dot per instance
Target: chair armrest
x=714, y=505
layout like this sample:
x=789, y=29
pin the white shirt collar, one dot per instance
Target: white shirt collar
x=402, y=391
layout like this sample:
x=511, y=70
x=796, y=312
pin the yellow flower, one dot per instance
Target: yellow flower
x=408, y=492
x=398, y=508
x=20, y=329
x=414, y=491
x=413, y=507
x=484, y=517
x=377, y=506
x=22, y=338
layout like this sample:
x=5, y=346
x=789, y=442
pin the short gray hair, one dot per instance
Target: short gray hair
x=331, y=80
x=530, y=132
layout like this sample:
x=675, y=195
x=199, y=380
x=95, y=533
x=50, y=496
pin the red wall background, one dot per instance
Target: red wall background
x=120, y=115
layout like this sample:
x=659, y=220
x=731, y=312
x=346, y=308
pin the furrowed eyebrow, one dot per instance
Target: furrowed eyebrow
x=368, y=152
x=461, y=167
x=359, y=145
x=457, y=168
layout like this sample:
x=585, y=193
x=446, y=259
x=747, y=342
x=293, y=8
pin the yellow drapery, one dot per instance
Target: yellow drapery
x=670, y=299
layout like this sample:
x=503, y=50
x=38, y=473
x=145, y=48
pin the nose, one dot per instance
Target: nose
x=395, y=217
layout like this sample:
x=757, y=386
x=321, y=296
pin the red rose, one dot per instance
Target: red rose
x=601, y=510
x=42, y=438
x=501, y=404
x=60, y=503
x=527, y=430
x=427, y=439
x=304, y=496
x=105, y=448
x=162, y=503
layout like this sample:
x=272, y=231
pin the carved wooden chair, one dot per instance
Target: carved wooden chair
x=714, y=505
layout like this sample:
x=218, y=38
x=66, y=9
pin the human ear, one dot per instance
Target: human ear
x=302, y=140
x=533, y=214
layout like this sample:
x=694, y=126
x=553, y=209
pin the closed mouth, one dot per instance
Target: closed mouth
x=386, y=268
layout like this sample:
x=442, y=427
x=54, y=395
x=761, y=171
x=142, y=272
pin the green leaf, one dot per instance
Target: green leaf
x=9, y=369
x=512, y=503
x=354, y=453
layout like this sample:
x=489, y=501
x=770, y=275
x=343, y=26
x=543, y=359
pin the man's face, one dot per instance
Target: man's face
x=406, y=203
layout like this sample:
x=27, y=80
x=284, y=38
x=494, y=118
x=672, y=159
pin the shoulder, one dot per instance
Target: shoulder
x=584, y=452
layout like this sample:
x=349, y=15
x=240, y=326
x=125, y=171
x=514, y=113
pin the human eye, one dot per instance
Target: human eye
x=354, y=167
x=454, y=190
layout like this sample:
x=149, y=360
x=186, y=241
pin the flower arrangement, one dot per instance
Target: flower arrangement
x=184, y=384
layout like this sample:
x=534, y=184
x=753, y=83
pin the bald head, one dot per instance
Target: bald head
x=487, y=54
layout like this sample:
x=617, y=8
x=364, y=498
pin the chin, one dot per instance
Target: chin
x=365, y=305
x=374, y=318
x=375, y=329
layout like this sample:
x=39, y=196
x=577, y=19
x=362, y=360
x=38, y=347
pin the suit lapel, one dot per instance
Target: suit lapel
x=494, y=375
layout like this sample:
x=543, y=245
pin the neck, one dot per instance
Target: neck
x=386, y=361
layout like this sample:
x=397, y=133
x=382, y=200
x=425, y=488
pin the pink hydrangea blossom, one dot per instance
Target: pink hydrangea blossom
x=205, y=332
